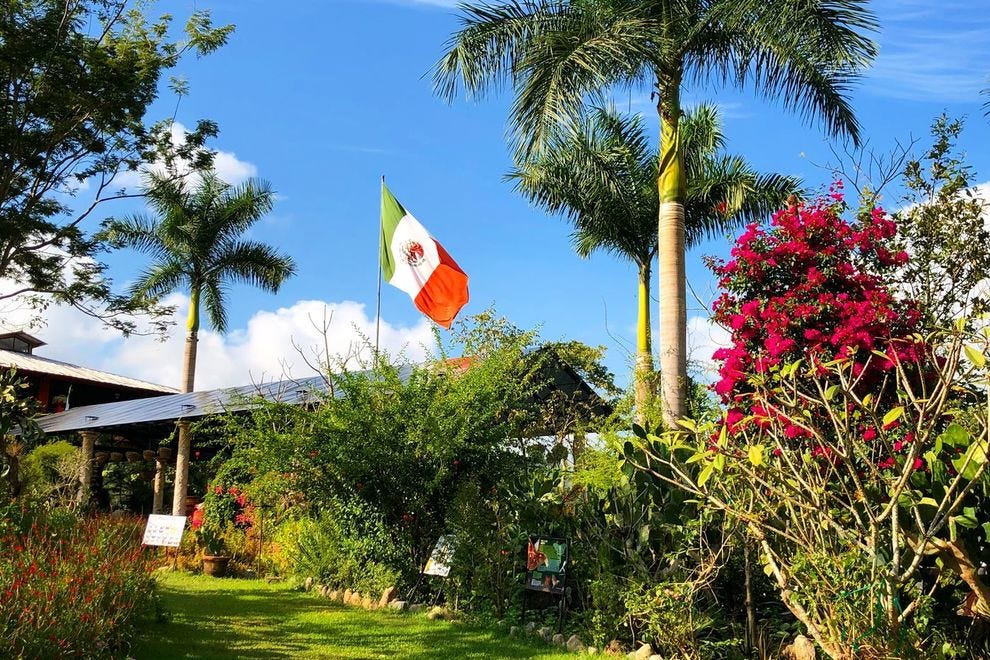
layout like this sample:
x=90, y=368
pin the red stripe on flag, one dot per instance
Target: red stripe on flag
x=445, y=293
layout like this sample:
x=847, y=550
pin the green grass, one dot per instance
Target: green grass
x=227, y=618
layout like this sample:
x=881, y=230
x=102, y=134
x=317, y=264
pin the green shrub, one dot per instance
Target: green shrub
x=347, y=547
x=50, y=473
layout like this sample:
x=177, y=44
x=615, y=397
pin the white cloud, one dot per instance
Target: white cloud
x=704, y=338
x=264, y=349
x=226, y=163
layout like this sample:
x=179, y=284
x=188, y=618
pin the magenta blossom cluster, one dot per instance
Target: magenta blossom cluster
x=811, y=286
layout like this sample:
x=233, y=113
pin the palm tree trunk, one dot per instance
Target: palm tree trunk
x=188, y=378
x=644, y=350
x=673, y=298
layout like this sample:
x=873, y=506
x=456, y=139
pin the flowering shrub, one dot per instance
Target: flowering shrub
x=854, y=444
x=812, y=287
x=70, y=587
x=223, y=519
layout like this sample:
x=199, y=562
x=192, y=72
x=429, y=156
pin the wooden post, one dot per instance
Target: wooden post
x=158, y=499
x=86, y=474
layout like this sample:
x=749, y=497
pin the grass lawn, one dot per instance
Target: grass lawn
x=228, y=618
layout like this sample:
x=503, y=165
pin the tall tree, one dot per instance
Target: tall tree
x=76, y=80
x=196, y=244
x=601, y=171
x=557, y=54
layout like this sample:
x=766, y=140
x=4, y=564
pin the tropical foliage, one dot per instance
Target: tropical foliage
x=197, y=243
x=80, y=78
x=557, y=54
x=601, y=173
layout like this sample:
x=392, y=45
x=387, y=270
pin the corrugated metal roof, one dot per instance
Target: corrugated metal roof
x=181, y=406
x=198, y=404
x=40, y=365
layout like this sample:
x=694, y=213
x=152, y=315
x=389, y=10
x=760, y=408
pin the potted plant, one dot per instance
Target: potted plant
x=215, y=556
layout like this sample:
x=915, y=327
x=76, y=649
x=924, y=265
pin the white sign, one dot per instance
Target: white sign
x=439, y=562
x=164, y=530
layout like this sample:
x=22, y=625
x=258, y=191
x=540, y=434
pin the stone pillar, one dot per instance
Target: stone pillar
x=181, y=470
x=86, y=473
x=158, y=500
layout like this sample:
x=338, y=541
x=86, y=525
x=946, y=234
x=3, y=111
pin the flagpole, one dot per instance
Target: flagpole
x=378, y=308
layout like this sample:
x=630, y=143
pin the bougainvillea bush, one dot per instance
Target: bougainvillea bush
x=853, y=446
x=71, y=587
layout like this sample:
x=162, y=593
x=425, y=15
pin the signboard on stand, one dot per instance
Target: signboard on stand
x=439, y=561
x=546, y=565
x=164, y=531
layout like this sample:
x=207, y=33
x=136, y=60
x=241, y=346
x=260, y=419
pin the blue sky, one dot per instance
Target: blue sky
x=323, y=97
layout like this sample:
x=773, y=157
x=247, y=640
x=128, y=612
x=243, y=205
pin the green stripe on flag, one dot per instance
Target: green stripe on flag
x=392, y=213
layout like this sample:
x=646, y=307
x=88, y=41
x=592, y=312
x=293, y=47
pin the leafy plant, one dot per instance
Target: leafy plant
x=71, y=586
x=854, y=449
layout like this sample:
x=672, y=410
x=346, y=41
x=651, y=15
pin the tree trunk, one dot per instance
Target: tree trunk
x=673, y=298
x=750, y=607
x=86, y=470
x=644, y=377
x=188, y=379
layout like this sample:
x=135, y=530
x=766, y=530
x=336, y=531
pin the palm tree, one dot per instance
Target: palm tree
x=558, y=54
x=601, y=173
x=196, y=243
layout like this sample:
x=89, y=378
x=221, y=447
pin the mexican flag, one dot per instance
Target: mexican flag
x=416, y=263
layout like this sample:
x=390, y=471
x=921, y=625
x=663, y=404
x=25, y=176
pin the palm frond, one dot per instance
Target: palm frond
x=727, y=193
x=805, y=53
x=253, y=263
x=592, y=172
x=215, y=302
x=485, y=53
x=158, y=280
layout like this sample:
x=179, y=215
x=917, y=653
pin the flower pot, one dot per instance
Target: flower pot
x=215, y=565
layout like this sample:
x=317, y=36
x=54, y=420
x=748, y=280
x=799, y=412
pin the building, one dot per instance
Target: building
x=60, y=386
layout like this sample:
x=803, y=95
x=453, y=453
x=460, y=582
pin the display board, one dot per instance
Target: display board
x=439, y=562
x=164, y=531
x=546, y=565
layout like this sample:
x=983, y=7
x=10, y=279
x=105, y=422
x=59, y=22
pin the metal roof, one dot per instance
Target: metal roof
x=192, y=405
x=40, y=365
x=182, y=406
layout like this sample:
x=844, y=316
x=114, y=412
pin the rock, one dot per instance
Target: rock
x=398, y=605
x=367, y=603
x=544, y=633
x=347, y=596
x=307, y=584
x=435, y=613
x=270, y=579
x=643, y=652
x=529, y=627
x=591, y=650
x=614, y=647
x=574, y=644
x=334, y=595
x=513, y=631
x=656, y=656
x=801, y=648
x=416, y=608
x=559, y=640
x=388, y=596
